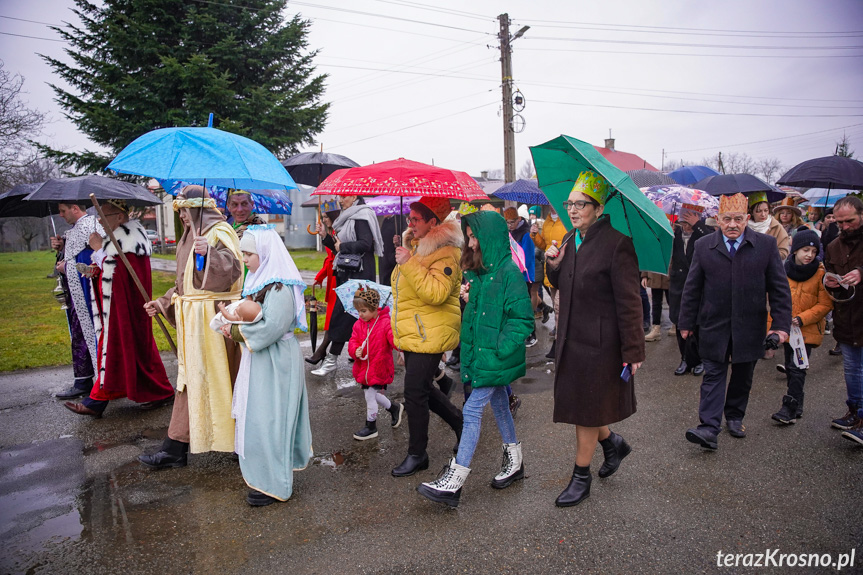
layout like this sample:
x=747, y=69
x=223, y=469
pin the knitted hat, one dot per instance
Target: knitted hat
x=757, y=198
x=804, y=239
x=368, y=295
x=592, y=185
x=536, y=211
x=510, y=214
x=735, y=204
x=440, y=207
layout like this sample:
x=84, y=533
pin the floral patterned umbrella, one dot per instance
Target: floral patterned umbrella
x=674, y=198
x=391, y=205
x=402, y=178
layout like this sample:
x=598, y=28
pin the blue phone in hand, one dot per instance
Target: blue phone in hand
x=626, y=374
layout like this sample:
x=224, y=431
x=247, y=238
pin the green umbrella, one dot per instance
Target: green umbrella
x=558, y=163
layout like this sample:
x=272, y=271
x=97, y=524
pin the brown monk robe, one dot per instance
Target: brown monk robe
x=208, y=363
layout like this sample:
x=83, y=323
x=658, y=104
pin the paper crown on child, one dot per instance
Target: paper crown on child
x=757, y=198
x=466, y=209
x=736, y=204
x=592, y=185
x=368, y=295
x=330, y=206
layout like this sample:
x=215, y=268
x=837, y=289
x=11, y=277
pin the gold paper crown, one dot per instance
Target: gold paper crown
x=736, y=204
x=757, y=198
x=120, y=205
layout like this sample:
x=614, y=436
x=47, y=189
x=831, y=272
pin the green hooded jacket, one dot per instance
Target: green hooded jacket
x=499, y=316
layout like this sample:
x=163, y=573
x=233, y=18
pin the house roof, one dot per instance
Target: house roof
x=625, y=161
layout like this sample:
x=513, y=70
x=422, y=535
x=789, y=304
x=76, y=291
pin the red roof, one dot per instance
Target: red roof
x=625, y=161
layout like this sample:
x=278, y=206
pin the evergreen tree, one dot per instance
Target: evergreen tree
x=138, y=65
x=843, y=147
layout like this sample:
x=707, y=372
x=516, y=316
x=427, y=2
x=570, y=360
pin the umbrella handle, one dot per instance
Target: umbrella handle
x=309, y=229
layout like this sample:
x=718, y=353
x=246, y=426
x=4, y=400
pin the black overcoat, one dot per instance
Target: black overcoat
x=726, y=298
x=599, y=327
x=681, y=258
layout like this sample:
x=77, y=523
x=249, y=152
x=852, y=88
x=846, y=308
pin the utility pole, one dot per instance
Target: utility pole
x=506, y=84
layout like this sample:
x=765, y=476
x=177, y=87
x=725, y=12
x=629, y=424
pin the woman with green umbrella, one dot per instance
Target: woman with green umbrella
x=602, y=342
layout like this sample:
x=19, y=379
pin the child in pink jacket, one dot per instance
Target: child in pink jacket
x=372, y=346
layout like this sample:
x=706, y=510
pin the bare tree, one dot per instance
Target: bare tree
x=28, y=230
x=18, y=124
x=770, y=169
x=526, y=171
x=495, y=174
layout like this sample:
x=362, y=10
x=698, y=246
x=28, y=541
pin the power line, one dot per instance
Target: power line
x=697, y=30
x=687, y=45
x=767, y=140
x=26, y=20
x=699, y=112
x=415, y=125
x=440, y=10
x=780, y=56
x=32, y=37
x=690, y=32
x=387, y=16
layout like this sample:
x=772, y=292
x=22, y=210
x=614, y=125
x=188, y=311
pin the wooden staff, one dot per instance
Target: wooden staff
x=131, y=271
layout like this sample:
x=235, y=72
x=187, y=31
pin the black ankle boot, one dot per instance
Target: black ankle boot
x=615, y=448
x=578, y=489
x=172, y=454
x=370, y=431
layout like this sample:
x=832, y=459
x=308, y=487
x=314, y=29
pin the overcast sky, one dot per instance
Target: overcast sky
x=421, y=80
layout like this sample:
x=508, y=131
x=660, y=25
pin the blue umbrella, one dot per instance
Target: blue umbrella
x=203, y=156
x=824, y=197
x=266, y=201
x=524, y=191
x=688, y=175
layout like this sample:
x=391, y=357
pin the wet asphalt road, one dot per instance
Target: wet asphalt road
x=73, y=498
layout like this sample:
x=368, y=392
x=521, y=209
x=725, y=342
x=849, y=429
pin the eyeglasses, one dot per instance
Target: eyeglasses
x=511, y=222
x=414, y=221
x=578, y=204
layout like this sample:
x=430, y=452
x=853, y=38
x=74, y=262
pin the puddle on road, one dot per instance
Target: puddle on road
x=334, y=460
x=153, y=433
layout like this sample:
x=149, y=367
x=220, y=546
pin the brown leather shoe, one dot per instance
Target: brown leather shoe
x=81, y=409
x=156, y=404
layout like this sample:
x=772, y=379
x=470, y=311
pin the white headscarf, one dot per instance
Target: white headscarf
x=276, y=266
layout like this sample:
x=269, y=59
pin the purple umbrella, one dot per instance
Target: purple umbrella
x=391, y=205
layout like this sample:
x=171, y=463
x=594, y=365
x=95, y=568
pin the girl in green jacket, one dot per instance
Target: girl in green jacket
x=497, y=320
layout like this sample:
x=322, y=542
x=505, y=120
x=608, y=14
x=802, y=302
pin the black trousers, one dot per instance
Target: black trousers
x=796, y=376
x=421, y=395
x=717, y=397
x=656, y=296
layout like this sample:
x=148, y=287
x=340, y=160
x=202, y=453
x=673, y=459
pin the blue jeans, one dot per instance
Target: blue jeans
x=852, y=358
x=472, y=412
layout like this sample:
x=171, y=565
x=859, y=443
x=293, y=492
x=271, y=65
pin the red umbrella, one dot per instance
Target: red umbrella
x=402, y=178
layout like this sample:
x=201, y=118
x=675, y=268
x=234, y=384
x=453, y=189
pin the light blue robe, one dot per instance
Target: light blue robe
x=277, y=434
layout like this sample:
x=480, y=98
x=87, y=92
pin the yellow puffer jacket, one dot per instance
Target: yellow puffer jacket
x=426, y=314
x=552, y=230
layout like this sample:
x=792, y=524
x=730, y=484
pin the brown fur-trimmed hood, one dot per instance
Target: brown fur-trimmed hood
x=445, y=234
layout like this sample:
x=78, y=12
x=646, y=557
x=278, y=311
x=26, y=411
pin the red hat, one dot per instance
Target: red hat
x=439, y=206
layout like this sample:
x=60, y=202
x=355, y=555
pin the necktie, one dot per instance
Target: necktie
x=733, y=249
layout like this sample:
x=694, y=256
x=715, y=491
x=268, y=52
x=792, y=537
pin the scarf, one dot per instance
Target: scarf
x=344, y=225
x=800, y=273
x=761, y=227
x=276, y=266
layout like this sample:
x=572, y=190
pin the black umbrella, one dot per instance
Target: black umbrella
x=730, y=184
x=647, y=178
x=312, y=168
x=13, y=205
x=77, y=190
x=831, y=172
x=313, y=320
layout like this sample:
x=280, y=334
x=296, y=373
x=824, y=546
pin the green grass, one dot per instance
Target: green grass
x=34, y=332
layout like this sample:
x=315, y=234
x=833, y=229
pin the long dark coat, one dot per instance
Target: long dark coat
x=843, y=256
x=681, y=258
x=599, y=327
x=725, y=296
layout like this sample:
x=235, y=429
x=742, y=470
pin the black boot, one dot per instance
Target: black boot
x=578, y=489
x=321, y=352
x=411, y=465
x=172, y=454
x=788, y=413
x=370, y=431
x=615, y=448
x=682, y=369
x=550, y=354
x=457, y=439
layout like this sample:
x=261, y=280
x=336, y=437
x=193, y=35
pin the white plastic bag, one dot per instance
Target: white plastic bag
x=795, y=340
